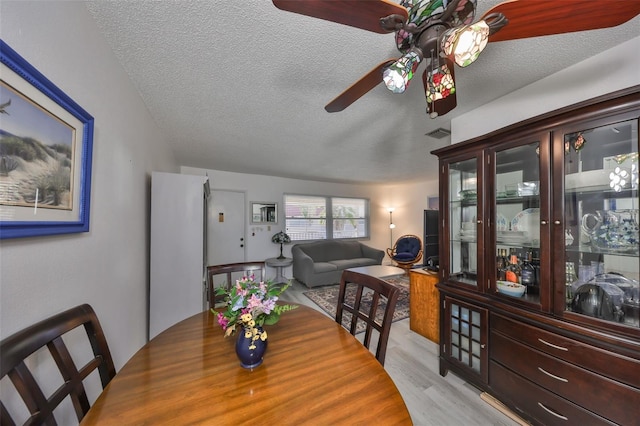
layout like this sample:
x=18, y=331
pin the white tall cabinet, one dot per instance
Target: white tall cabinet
x=178, y=249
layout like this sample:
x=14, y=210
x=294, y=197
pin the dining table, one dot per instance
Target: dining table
x=314, y=372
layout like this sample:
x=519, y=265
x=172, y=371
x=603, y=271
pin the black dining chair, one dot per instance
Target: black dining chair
x=15, y=353
x=370, y=300
x=225, y=275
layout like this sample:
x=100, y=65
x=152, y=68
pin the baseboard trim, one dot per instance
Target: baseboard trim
x=503, y=409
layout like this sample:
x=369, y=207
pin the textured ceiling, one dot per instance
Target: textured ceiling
x=241, y=86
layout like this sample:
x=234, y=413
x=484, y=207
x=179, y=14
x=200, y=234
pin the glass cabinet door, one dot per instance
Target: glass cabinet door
x=517, y=219
x=463, y=221
x=601, y=223
x=465, y=339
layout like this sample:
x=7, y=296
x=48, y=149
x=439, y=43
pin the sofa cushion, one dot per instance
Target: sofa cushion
x=319, y=267
x=326, y=251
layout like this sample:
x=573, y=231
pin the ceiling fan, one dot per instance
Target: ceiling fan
x=443, y=32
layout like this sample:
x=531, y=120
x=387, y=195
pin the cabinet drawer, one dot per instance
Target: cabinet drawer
x=607, y=397
x=615, y=366
x=533, y=401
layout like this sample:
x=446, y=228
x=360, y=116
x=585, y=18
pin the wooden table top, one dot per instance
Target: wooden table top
x=313, y=372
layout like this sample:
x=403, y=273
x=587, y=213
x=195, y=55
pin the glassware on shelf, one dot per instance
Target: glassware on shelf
x=613, y=230
x=463, y=212
x=585, y=273
x=568, y=237
x=570, y=278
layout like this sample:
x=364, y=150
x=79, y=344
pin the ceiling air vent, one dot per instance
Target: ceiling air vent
x=439, y=133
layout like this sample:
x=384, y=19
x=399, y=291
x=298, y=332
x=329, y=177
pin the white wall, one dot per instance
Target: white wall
x=614, y=69
x=108, y=266
x=409, y=201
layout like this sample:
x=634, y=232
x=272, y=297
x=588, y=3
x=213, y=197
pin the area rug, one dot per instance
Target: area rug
x=327, y=298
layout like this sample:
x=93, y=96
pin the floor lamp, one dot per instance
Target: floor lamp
x=391, y=225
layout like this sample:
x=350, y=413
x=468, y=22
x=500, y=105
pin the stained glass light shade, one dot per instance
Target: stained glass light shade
x=440, y=83
x=397, y=76
x=464, y=44
x=420, y=11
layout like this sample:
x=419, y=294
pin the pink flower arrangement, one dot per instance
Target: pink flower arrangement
x=251, y=305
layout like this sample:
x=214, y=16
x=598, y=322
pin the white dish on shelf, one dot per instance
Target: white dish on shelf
x=510, y=289
x=528, y=221
x=502, y=224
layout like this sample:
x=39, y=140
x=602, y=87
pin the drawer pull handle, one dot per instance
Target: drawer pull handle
x=552, y=345
x=553, y=413
x=562, y=379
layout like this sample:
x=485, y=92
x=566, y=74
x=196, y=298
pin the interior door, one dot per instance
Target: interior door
x=226, y=231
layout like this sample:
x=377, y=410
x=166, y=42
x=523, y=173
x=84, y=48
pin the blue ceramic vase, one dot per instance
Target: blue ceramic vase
x=250, y=357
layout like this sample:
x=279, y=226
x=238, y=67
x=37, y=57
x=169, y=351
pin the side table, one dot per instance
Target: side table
x=279, y=264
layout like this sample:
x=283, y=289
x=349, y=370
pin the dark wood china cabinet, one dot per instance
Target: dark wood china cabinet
x=539, y=263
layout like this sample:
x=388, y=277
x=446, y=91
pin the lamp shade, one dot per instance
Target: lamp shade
x=464, y=44
x=440, y=83
x=440, y=98
x=397, y=76
x=281, y=238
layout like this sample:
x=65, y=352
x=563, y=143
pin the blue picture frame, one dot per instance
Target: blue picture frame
x=17, y=221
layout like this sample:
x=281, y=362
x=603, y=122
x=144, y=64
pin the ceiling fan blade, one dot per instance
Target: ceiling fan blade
x=359, y=88
x=534, y=18
x=363, y=14
x=441, y=106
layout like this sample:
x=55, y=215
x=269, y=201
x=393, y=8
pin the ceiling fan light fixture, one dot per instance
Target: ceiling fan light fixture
x=464, y=44
x=440, y=83
x=397, y=76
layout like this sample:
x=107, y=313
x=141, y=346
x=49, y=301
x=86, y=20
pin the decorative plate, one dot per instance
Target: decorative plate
x=527, y=220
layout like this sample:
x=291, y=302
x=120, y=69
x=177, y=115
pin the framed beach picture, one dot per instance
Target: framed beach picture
x=46, y=143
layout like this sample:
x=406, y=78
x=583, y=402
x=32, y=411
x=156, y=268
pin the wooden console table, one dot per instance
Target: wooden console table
x=424, y=304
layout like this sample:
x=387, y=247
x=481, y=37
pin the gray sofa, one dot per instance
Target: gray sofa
x=322, y=262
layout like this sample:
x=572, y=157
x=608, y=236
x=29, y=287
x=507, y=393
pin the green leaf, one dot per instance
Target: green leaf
x=272, y=318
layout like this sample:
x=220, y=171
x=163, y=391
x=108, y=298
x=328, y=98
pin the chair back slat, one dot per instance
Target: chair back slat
x=5, y=417
x=380, y=291
x=15, y=349
x=227, y=270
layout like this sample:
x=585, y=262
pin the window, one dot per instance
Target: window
x=309, y=217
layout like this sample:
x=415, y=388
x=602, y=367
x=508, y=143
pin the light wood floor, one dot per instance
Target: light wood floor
x=412, y=363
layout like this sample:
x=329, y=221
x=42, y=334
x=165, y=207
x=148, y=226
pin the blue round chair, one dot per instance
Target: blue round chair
x=406, y=251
